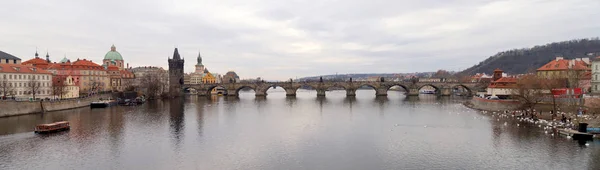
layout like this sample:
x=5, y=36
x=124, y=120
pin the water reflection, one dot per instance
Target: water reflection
x=280, y=132
x=176, y=120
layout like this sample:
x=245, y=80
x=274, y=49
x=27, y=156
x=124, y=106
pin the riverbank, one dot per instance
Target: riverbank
x=15, y=108
x=511, y=108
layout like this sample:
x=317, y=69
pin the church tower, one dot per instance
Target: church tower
x=199, y=65
x=175, y=74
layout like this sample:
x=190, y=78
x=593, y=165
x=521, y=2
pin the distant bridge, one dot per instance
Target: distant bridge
x=381, y=87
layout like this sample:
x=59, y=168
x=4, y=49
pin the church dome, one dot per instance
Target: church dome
x=113, y=54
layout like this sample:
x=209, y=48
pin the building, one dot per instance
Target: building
x=24, y=82
x=231, y=77
x=562, y=68
x=65, y=87
x=595, y=77
x=503, y=87
x=6, y=58
x=143, y=74
x=120, y=77
x=175, y=74
x=91, y=77
x=209, y=78
x=481, y=77
x=113, y=58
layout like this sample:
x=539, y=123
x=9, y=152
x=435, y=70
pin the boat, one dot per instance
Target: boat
x=52, y=127
x=103, y=103
x=576, y=135
x=428, y=92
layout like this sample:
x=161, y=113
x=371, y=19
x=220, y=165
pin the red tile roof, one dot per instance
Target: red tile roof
x=504, y=82
x=35, y=61
x=562, y=64
x=19, y=68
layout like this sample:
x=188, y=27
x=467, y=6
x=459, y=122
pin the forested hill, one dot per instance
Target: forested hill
x=522, y=60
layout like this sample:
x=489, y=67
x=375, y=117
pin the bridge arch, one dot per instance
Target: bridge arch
x=374, y=87
x=399, y=85
x=274, y=86
x=219, y=90
x=238, y=89
x=437, y=88
x=469, y=90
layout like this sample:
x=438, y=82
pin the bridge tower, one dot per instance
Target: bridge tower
x=175, y=74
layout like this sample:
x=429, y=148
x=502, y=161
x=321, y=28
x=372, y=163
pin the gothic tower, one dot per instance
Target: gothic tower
x=175, y=74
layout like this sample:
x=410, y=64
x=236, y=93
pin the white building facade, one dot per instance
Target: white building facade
x=20, y=81
x=596, y=75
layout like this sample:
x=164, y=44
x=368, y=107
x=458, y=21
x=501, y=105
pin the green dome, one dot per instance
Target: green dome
x=113, y=54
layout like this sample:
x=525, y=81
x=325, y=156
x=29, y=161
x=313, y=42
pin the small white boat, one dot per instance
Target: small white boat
x=428, y=92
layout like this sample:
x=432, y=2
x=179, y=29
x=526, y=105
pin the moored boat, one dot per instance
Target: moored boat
x=103, y=103
x=52, y=127
x=428, y=92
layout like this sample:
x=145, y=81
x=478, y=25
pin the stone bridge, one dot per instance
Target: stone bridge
x=381, y=88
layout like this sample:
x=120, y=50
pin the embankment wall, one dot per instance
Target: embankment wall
x=492, y=105
x=14, y=108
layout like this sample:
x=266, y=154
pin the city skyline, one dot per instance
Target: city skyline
x=283, y=40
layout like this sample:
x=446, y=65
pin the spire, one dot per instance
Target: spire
x=176, y=55
x=47, y=57
x=113, y=48
x=36, y=54
x=199, y=59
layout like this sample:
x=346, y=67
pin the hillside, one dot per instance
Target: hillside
x=523, y=60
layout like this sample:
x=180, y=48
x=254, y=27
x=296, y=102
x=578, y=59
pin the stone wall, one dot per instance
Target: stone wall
x=492, y=105
x=14, y=108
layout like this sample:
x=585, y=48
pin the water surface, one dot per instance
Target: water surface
x=279, y=132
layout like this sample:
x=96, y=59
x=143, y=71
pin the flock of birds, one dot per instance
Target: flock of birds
x=548, y=126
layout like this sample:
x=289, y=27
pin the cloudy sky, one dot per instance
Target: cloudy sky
x=281, y=39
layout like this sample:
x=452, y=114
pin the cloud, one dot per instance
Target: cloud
x=283, y=39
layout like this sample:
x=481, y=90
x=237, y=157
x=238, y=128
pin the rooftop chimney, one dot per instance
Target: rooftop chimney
x=559, y=58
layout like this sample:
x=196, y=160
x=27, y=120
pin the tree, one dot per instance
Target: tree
x=6, y=88
x=550, y=83
x=152, y=84
x=442, y=74
x=528, y=90
x=59, y=86
x=33, y=86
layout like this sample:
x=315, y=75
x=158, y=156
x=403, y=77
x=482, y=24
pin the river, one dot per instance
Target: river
x=279, y=132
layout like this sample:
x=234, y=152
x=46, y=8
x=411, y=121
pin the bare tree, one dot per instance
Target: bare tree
x=59, y=86
x=33, y=86
x=550, y=83
x=152, y=84
x=528, y=91
x=6, y=87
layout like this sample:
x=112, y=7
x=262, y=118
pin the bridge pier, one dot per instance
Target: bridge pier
x=290, y=92
x=261, y=93
x=412, y=92
x=350, y=92
x=381, y=92
x=232, y=92
x=445, y=91
x=321, y=92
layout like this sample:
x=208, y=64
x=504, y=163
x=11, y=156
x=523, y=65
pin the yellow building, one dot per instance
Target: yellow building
x=71, y=89
x=209, y=78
